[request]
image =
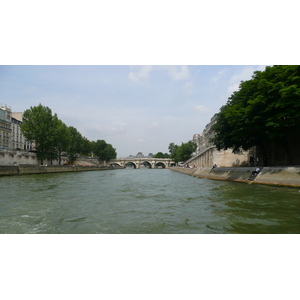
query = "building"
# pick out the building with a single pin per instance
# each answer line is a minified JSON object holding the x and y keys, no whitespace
{"x":140,"y":155}
{"x":207,"y":155}
{"x":14,"y":148}
{"x":5,"y":127}
{"x":18,"y":140}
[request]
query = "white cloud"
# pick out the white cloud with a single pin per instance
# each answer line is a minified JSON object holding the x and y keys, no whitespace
{"x":143,"y":73}
{"x":175,"y":72}
{"x":178,"y":73}
{"x":232,"y":88}
{"x":243,"y":75}
{"x":141,"y":140}
{"x":154,"y":125}
{"x":218,"y":76}
{"x":202,"y":109}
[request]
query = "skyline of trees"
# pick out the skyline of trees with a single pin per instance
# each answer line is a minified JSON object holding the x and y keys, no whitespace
{"x":53,"y":137}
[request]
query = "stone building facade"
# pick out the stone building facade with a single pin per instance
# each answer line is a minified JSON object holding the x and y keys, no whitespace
{"x":11,"y":137}
{"x":207,"y":155}
{"x":5,"y":127}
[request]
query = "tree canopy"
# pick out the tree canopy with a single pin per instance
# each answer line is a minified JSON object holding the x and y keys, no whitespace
{"x":182,"y":152}
{"x":54,"y":138}
{"x":104,"y":151}
{"x":161,"y":155}
{"x":265,"y":110}
{"x":39,"y":126}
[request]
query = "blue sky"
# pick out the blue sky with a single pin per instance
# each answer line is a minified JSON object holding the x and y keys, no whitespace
{"x":138,"y":76}
{"x":134,"y":108}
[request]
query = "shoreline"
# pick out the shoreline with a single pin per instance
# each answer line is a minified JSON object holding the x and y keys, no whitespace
{"x":35,"y":169}
{"x":277,"y":176}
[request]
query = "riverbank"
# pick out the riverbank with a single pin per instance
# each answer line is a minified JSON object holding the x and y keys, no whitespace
{"x":280,"y":176}
{"x":35,"y":169}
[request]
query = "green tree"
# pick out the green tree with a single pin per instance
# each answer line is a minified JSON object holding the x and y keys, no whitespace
{"x":103,"y":151}
{"x":86,"y":147}
{"x":184,"y":151}
{"x":63,"y":139}
{"x":75,"y":144}
{"x":38,"y":126}
{"x":161,"y":155}
{"x":172,"y":147}
{"x":264,"y":111}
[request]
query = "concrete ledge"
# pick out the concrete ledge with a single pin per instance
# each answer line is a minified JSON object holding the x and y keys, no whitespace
{"x":9,"y":170}
{"x":285,"y":176}
{"x":288,"y":176}
{"x":35,"y":169}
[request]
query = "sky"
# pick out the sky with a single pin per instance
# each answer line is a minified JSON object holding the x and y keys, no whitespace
{"x":134,"y":108}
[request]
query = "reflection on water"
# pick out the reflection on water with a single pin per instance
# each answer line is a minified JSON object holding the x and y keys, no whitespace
{"x":143,"y":201}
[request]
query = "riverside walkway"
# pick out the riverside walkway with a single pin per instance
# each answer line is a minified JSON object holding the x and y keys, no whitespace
{"x":281,"y":175}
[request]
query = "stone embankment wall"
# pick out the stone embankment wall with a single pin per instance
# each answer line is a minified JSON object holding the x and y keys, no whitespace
{"x":223,"y":158}
{"x":11,"y":157}
{"x":284,"y":176}
{"x":35,"y":169}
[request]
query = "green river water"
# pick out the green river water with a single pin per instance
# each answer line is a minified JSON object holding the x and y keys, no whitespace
{"x":143,"y":201}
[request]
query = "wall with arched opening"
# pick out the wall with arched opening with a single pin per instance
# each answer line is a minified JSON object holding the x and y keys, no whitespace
{"x":160,"y":165}
{"x":130,"y":164}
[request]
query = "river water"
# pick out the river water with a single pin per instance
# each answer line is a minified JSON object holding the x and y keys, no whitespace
{"x":132,"y":201}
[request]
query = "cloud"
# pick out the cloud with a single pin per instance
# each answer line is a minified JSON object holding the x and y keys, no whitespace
{"x":202,"y":109}
{"x":188,"y":87}
{"x":243,"y":75}
{"x":154,"y":125}
{"x":175,"y":72}
{"x":143,"y":73}
{"x":141,"y":140}
{"x":178,"y":73}
{"x":218,"y":76}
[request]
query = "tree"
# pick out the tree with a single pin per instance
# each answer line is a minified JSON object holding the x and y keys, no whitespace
{"x":38,"y":126}
{"x":172,"y":147}
{"x":63,"y":139}
{"x":86,"y":146}
{"x":264,"y":111}
{"x":161,"y":155}
{"x":103,"y":151}
{"x":183,"y":152}
{"x":75,"y":144}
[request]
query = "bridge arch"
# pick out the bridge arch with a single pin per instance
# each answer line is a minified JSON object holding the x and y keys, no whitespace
{"x":115,"y":165}
{"x":130,"y":163}
{"x":160,"y":164}
{"x":146,"y":163}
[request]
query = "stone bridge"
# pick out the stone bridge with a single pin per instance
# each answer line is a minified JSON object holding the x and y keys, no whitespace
{"x":147,"y":162}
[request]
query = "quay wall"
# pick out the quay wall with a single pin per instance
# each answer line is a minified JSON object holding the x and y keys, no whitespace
{"x":35,"y":169}
{"x":282,"y":176}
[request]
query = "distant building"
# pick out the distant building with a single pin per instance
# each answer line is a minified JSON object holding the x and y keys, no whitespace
{"x":140,"y":155}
